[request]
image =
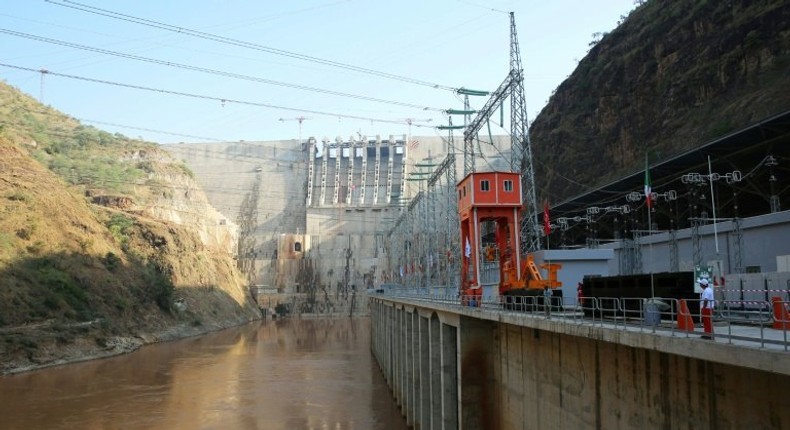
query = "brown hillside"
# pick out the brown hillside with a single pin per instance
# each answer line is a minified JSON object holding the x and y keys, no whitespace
{"x":105,"y":244}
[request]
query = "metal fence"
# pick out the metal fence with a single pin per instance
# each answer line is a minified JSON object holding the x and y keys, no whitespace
{"x":762,"y":326}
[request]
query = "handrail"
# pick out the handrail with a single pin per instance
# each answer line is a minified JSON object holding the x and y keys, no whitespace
{"x":633,"y":314}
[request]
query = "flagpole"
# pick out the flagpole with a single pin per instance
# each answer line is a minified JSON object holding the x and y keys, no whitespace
{"x":715,"y":227}
{"x":649,"y":201}
{"x":650,"y":233}
{"x":713,"y":204}
{"x":547,"y":229}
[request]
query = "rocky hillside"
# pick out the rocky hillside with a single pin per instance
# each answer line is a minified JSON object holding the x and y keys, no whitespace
{"x":673,"y":76}
{"x":106,"y":243}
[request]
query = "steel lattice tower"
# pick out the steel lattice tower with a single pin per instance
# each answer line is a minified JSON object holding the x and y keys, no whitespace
{"x":521,"y":155}
{"x":521,"y":151}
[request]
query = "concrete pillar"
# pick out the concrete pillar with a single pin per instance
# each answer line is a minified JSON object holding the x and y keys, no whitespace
{"x":511,"y":399}
{"x":415,"y":367}
{"x":396,"y":357}
{"x":404,"y":380}
{"x":436,"y":369}
{"x":404,"y":362}
{"x":449,"y":377}
{"x":423,"y":420}
{"x":476,"y":342}
{"x":411,"y":375}
{"x":390,"y":344}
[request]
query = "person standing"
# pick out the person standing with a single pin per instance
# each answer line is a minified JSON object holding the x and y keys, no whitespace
{"x":547,"y":300}
{"x":706,"y":308}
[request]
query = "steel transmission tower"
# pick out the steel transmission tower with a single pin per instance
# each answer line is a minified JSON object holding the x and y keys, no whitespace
{"x":521,"y":148}
{"x":521,"y":151}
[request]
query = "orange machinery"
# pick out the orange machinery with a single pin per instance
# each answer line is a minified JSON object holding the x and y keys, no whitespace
{"x":495,"y":197}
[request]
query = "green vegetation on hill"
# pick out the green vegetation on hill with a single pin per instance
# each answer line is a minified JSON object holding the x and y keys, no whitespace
{"x":82,"y":155}
{"x":83,"y":263}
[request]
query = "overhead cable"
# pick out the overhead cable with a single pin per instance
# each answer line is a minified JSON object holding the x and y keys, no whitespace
{"x":241,"y":43}
{"x":209,"y":71}
{"x":205,"y":97}
{"x":169,"y":133}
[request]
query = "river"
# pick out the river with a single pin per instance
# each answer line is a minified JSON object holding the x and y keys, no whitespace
{"x":285,"y":374}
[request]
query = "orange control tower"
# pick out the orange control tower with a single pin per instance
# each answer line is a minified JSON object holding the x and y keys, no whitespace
{"x":496,"y":197}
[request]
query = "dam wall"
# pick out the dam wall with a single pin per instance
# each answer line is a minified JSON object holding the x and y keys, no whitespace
{"x":316,"y":212}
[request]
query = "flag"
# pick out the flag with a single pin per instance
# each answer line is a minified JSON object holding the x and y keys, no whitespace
{"x":467,"y":248}
{"x":546,"y":218}
{"x":648,"y":187}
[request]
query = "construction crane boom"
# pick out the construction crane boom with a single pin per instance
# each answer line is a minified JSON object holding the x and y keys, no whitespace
{"x":301,"y":119}
{"x":298,"y":118}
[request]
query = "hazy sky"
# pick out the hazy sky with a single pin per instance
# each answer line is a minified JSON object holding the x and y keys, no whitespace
{"x":445,"y":43}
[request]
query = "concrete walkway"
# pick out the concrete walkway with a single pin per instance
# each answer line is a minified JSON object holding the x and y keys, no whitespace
{"x":736,"y":332}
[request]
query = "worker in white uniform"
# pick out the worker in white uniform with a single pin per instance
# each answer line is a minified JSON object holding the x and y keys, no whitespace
{"x":706,"y":305}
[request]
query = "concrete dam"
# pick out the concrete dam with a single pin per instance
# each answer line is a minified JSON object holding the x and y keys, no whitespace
{"x":317,"y":212}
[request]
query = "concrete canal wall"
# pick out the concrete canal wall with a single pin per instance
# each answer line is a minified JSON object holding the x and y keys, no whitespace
{"x":451,"y":367}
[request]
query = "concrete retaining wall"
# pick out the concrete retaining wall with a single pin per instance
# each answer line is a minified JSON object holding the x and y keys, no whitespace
{"x":450,"y":369}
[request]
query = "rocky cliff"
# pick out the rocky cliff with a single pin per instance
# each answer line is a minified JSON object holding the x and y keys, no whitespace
{"x":671,"y":77}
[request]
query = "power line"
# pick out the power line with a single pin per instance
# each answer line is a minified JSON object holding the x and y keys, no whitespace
{"x":206,"y":70}
{"x":241,"y":43}
{"x":169,"y":133}
{"x":205,"y":97}
{"x":23,"y":126}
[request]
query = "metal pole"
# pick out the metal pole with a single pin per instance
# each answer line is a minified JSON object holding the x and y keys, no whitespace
{"x":713,"y":203}
{"x":649,"y":233}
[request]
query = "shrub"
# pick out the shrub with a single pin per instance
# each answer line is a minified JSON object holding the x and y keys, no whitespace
{"x":186,"y":170}
{"x":119,"y":226}
{"x":23,"y":233}
{"x":62,"y":292}
{"x":111,"y":261}
{"x":162,"y":288}
{"x":19,"y":196}
{"x":35,"y":248}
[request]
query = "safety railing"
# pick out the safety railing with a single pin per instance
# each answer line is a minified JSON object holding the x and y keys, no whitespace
{"x":661,"y":316}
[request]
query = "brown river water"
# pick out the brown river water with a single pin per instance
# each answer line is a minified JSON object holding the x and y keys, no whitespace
{"x":284,"y":374}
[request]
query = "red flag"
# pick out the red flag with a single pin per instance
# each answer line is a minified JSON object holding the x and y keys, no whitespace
{"x":546,"y":218}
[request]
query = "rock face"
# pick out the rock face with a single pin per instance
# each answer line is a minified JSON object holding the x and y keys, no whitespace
{"x":671,"y":77}
{"x":105,"y":244}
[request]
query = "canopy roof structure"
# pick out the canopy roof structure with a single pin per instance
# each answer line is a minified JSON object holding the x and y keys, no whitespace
{"x":749,"y":170}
